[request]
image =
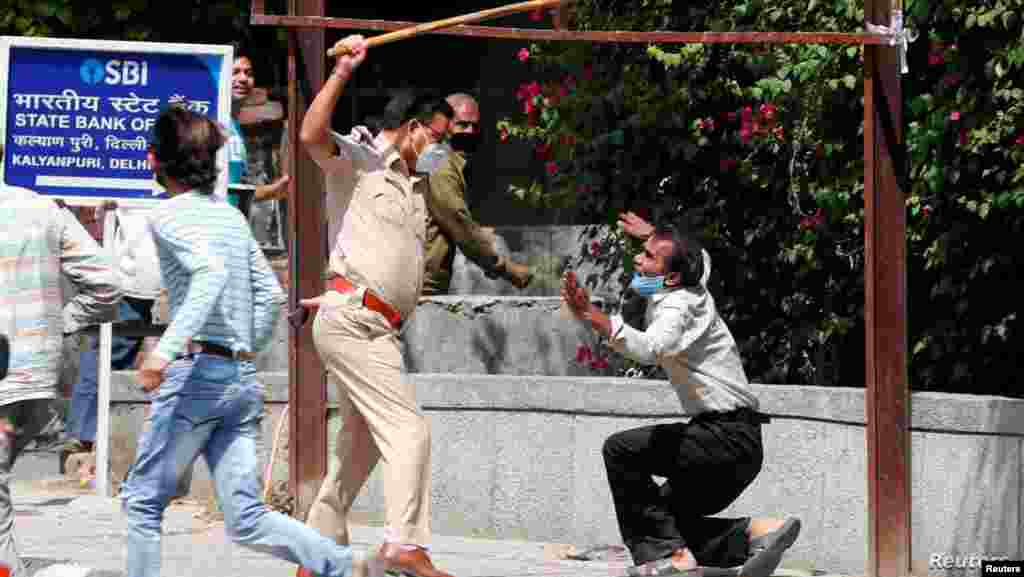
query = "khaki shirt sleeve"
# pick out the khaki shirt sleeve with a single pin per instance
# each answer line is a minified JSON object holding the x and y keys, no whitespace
{"x":447,"y":205}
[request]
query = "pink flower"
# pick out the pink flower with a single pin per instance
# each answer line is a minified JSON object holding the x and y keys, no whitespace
{"x":542,"y":151}
{"x":533,"y":89}
{"x":709,"y":123}
{"x":523,"y":55}
{"x":699,"y":125}
{"x":583,"y":353}
{"x":1019,"y":140}
{"x":563,"y":91}
{"x":599,"y":363}
{"x":813,"y":221}
{"x":551,"y":167}
{"x":768,"y":111}
{"x":746,"y":134}
{"x":730,"y":116}
{"x":925,"y":211}
{"x":746,"y":114}
{"x":779,"y":133}
{"x":954,"y":116}
{"x":528,"y":106}
{"x":936,"y":57}
{"x":537,"y":15}
{"x":503,"y":135}
{"x":952,"y":79}
{"x":595,"y":248}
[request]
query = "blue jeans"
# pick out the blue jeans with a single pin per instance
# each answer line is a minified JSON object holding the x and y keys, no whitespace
{"x":122,"y":356}
{"x":213,"y":405}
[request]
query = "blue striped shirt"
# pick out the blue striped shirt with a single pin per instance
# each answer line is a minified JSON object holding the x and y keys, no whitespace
{"x":220,"y":286}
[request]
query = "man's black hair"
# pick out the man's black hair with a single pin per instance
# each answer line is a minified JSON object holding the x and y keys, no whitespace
{"x":186,"y":144}
{"x":243,"y":48}
{"x":410,"y":104}
{"x":686,"y":257}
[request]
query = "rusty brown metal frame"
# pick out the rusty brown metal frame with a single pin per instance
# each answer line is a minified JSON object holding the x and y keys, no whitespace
{"x":887,"y":392}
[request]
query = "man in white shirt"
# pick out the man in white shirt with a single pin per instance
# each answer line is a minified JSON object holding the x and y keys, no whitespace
{"x":139,"y":273}
{"x":710,"y":459}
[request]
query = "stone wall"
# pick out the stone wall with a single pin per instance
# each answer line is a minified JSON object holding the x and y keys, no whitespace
{"x":519,"y":457}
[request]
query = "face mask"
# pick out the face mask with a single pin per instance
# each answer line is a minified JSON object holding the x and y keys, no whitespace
{"x":466,"y":142}
{"x":432,"y":157}
{"x":646,"y":286}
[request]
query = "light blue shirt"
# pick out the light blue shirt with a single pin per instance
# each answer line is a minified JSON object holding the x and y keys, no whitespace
{"x":238,"y":160}
{"x":220,"y":286}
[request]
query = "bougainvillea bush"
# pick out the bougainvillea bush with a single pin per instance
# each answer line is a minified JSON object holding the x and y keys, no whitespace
{"x":759,"y":148}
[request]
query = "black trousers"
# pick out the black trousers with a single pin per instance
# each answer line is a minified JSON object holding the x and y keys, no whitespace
{"x":708,"y":462}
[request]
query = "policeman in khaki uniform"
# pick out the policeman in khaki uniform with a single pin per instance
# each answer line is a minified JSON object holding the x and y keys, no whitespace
{"x":450,"y":223}
{"x":377,"y":225}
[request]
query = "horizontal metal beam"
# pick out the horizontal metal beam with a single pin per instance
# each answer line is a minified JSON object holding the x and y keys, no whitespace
{"x":611,"y":36}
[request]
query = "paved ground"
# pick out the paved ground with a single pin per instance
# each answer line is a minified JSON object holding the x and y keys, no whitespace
{"x":58,"y":523}
{"x":61,"y":525}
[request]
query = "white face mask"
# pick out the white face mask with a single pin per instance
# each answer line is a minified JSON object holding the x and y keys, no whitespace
{"x":432,"y":157}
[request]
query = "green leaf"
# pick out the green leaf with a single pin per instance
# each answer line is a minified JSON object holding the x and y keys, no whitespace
{"x":850,"y":81}
{"x":920,"y":346}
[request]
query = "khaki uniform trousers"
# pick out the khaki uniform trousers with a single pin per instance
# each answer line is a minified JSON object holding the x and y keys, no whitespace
{"x":380,"y":419}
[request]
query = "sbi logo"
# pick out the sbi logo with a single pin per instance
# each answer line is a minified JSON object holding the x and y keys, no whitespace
{"x":115,"y":72}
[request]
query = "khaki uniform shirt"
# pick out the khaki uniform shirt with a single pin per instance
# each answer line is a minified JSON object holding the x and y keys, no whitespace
{"x":450,"y":224}
{"x":376,"y":219}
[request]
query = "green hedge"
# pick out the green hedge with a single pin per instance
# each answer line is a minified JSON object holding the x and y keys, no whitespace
{"x":760,"y":147}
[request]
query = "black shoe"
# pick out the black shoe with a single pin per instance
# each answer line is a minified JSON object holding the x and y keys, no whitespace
{"x":765,"y":552}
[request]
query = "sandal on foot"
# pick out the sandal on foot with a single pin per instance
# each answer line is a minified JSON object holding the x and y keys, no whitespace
{"x":765,"y":552}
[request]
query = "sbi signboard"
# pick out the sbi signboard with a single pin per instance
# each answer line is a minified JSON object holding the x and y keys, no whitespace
{"x":115,"y":72}
{"x":76,"y":115}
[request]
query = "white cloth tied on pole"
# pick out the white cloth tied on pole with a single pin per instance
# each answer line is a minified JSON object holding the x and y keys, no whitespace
{"x":898,"y":36}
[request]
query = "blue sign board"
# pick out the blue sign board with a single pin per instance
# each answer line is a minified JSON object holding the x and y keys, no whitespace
{"x":77,"y":115}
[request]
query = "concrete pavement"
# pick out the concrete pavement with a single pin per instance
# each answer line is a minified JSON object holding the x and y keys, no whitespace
{"x":57,"y":522}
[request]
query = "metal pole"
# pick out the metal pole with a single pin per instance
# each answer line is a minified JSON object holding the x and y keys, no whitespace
{"x":307,"y":387}
{"x":885,"y":311}
{"x":104,"y":374}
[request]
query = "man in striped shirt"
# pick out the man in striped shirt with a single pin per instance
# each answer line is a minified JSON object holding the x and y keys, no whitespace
{"x":224,"y":302}
{"x":41,"y":244}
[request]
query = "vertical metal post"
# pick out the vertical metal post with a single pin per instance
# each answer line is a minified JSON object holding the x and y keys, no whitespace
{"x":106,"y":343}
{"x":307,"y":388}
{"x":885,"y":312}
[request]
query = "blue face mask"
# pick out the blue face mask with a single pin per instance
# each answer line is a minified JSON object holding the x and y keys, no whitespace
{"x":432,"y":157}
{"x":646,"y":286}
